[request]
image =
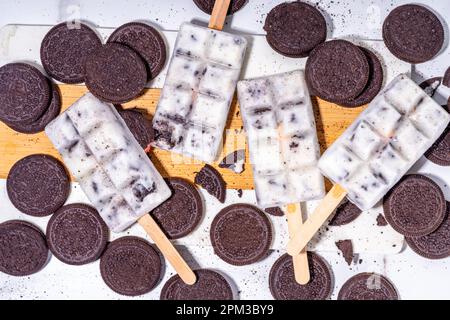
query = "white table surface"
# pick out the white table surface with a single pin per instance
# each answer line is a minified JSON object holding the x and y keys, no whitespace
{"x":414,"y":277}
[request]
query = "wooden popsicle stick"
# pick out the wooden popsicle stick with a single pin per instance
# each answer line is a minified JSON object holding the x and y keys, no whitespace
{"x":168,"y":250}
{"x":219,"y":14}
{"x":300,"y":261}
{"x":323,"y":211}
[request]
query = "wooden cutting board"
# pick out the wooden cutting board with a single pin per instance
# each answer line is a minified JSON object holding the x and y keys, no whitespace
{"x":331,"y":121}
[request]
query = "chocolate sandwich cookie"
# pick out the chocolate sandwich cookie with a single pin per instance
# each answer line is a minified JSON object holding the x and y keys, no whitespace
{"x":23,"y":250}
{"x":436,"y":245}
{"x":24,"y":93}
{"x":39,"y":125}
{"x":368,"y":286}
{"x":275,"y":211}
{"x":241,"y":234}
{"x":211,"y":180}
{"x":64,"y":51}
{"x":210,"y":285}
{"x":38,"y":185}
{"x":207,"y":6}
{"x":415,"y":206}
{"x":413,"y":33}
{"x":295,"y":28}
{"x":146,"y":41}
{"x":76,"y":234}
{"x":345,"y":213}
{"x":284,"y":287}
{"x":115,"y":73}
{"x":374,"y":83}
{"x":337,"y":71}
{"x":130,"y":266}
{"x":446,"y":79}
{"x":181,"y":213}
{"x":439,"y":152}
{"x":140,"y":127}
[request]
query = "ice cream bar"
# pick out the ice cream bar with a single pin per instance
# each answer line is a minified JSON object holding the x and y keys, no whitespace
{"x":112,"y":169}
{"x":399,"y":125}
{"x":281,"y":134}
{"x":199,"y":87}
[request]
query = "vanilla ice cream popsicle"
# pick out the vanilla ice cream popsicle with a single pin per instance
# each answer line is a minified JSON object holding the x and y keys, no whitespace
{"x":199,"y":87}
{"x":371,"y":156}
{"x":282,"y":138}
{"x":102,"y":154}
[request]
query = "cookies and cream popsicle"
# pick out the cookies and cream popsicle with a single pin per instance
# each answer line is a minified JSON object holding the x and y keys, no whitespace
{"x":112,"y":169}
{"x":282,"y":138}
{"x":396,"y":129}
{"x":199,"y":87}
{"x":284,"y":149}
{"x":371,"y":156}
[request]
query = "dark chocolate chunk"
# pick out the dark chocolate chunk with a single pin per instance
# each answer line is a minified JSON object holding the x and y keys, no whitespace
{"x":436,"y":245}
{"x":115,"y":73}
{"x":283,"y":285}
{"x":76,"y":234}
{"x":145,"y":40}
{"x":38,"y":185}
{"x":346,"y":247}
{"x":23,"y":250}
{"x":182,"y":212}
{"x":415,"y":206}
{"x":337,"y":71}
{"x":211,"y":180}
{"x":368,"y":286}
{"x":24,"y":93}
{"x":241,"y":234}
{"x":210,"y":285}
{"x":64,"y":51}
{"x":413,"y":33}
{"x":295,"y":28}
{"x":130,"y":266}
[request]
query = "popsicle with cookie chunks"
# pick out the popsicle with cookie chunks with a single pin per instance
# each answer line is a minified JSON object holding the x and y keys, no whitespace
{"x":113,"y":171}
{"x":371,"y":156}
{"x":191,"y":114}
{"x":284,"y":149}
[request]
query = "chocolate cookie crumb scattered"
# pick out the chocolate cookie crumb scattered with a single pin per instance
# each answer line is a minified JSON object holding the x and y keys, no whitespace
{"x":212,"y":181}
{"x":381,"y":221}
{"x":275,"y":211}
{"x":346,"y":247}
